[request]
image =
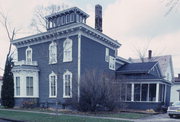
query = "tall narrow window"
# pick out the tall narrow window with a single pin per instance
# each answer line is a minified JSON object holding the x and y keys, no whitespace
{"x":29,"y":54}
{"x":67,"y":56}
{"x":29,"y":86}
{"x":107,"y":55}
{"x":17,"y":86}
{"x":53,"y":53}
{"x":68,"y":18}
{"x":137,"y":92}
{"x":67,"y":84}
{"x":128,"y":92}
{"x":71,"y":17}
{"x":144,"y":92}
{"x":63,"y":19}
{"x":152,"y":92}
{"x":52,"y":85}
{"x":112,"y":63}
{"x":77,"y":17}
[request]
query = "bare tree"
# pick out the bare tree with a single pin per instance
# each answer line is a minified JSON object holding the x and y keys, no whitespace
{"x":11,"y":32}
{"x":96,"y":92}
{"x":39,"y":21}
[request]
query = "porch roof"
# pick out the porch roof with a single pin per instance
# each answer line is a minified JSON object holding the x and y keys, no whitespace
{"x":136,"y":68}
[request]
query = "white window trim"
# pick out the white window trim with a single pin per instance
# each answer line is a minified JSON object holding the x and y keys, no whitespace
{"x":67,"y":73}
{"x":107,"y":55}
{"x":65,"y":58}
{"x":50,"y":58}
{"x":52,"y":74}
{"x":29,"y":49}
{"x":112,"y":61}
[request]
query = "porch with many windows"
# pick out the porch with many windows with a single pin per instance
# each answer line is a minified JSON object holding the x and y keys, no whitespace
{"x":143,"y":92}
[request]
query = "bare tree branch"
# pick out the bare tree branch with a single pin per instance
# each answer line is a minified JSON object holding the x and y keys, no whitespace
{"x":10,"y":32}
{"x":39,"y":21}
{"x":171,"y":5}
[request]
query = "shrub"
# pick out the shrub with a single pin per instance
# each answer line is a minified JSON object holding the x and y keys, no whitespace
{"x":96,"y":92}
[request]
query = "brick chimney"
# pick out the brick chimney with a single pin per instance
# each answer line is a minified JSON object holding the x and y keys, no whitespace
{"x":98,"y":17}
{"x":149,"y":54}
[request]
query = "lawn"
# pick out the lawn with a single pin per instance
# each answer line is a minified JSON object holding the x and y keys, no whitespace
{"x":34,"y":117}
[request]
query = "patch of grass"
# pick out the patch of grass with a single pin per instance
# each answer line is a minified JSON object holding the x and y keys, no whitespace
{"x":34,"y":117}
{"x":127,"y":115}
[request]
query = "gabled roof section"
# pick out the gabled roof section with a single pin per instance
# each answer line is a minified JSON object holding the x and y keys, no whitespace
{"x":163,"y":61}
{"x":73,"y":9}
{"x":134,"y":68}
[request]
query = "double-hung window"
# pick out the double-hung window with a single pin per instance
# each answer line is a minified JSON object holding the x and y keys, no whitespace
{"x":29,"y":54}
{"x":67,"y":50}
{"x":112,"y":63}
{"x":67,"y":84}
{"x":29,"y":86}
{"x":53,"y":53}
{"x":17,"y":86}
{"x":52,"y":85}
{"x":107,"y":55}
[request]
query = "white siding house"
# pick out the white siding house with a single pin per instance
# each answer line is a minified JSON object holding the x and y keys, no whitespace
{"x":175,"y":90}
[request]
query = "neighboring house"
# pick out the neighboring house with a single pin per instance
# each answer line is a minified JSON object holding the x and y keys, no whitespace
{"x":1,"y":82}
{"x":50,"y":63}
{"x":175,"y":89}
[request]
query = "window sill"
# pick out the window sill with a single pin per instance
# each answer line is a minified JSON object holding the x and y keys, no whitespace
{"x":26,"y":96}
{"x":52,"y":62}
{"x":67,"y":60}
{"x":52,"y":96}
{"x":67,"y":96}
{"x":112,"y":69}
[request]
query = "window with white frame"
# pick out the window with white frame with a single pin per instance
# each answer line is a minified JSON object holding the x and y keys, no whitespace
{"x":107,"y":55}
{"x":67,"y":84}
{"x":53,"y":53}
{"x":17,"y":88}
{"x":29,"y":54}
{"x":52,"y":85}
{"x":67,"y":50}
{"x":29,"y":86}
{"x":112,"y":63}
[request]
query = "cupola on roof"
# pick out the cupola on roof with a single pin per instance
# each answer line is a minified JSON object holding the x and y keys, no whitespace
{"x":68,"y":16}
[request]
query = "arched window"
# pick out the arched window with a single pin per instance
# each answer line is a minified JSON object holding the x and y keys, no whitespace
{"x":52,"y":85}
{"x":67,"y":50}
{"x":29,"y":54}
{"x":53,"y":53}
{"x":67,"y":84}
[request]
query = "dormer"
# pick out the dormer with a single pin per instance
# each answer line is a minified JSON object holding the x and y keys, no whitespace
{"x":65,"y":17}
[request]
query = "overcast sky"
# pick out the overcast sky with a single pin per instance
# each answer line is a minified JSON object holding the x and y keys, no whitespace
{"x":136,"y":24}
